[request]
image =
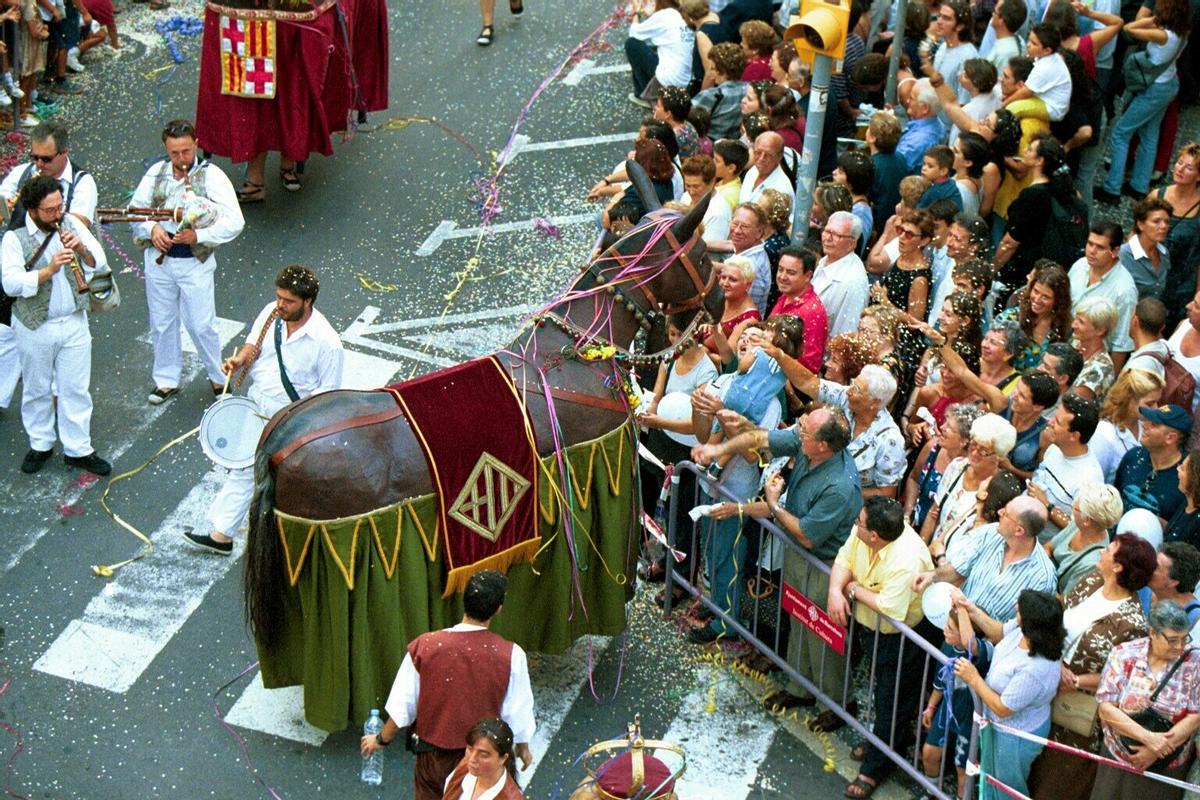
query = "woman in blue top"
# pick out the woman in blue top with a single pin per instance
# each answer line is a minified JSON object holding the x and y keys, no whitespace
{"x":1020,"y":685}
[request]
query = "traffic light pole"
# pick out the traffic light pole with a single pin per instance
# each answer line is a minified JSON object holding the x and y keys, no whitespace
{"x":889,"y":89}
{"x":814,"y":130}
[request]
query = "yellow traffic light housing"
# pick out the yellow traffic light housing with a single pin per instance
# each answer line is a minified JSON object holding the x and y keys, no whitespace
{"x":822,"y":26}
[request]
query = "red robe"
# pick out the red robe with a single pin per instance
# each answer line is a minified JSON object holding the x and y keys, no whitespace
{"x":314,"y":95}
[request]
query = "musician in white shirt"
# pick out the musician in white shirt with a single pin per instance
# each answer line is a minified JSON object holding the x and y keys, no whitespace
{"x":178,"y":256}
{"x":312,"y":358}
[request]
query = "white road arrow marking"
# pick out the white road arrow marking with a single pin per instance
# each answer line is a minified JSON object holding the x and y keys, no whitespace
{"x":588,"y":67}
{"x":447,"y":229}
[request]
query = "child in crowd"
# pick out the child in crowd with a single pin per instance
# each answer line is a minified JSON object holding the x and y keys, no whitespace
{"x":936,"y":166}
{"x":33,"y":37}
{"x":730,"y":157}
{"x":948,"y":720}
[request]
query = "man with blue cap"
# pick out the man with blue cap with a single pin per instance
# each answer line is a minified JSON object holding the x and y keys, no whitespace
{"x":1148,"y":476}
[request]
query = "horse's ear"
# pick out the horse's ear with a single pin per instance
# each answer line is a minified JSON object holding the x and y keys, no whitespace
{"x":684,"y":227}
{"x":641,"y":182}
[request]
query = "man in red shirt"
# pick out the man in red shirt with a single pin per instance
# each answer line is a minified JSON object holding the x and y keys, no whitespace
{"x":799,"y":299}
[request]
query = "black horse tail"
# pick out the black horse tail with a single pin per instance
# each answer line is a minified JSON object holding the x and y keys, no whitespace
{"x":264,"y":580}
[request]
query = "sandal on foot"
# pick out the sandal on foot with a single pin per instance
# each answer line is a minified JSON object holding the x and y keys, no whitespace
{"x":485,"y":36}
{"x":517,"y":8}
{"x":290,"y":180}
{"x":251,"y":192}
{"x":860,"y":789}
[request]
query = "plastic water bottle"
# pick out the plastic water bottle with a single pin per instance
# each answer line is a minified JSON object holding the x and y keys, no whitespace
{"x":372,"y":766}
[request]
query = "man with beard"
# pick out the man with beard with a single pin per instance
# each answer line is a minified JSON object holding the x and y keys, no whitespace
{"x":179,"y":256}
{"x":292,"y":352}
{"x":50,"y":323}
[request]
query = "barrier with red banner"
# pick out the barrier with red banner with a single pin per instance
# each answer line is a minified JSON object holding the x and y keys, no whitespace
{"x":814,"y":618}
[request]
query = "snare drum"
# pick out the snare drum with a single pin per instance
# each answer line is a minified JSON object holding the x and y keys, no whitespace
{"x":230,"y":430}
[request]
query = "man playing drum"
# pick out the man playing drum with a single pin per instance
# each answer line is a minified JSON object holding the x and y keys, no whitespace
{"x":292,"y":352}
{"x":179,"y":257}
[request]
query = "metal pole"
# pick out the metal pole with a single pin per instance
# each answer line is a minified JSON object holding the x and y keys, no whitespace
{"x":814,"y":129}
{"x":889,"y":89}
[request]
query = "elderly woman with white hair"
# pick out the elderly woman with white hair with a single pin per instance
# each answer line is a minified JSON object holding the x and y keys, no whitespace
{"x":735,"y":278}
{"x":1095,"y":317}
{"x":1076,"y":548}
{"x":876,"y":443}
{"x":950,"y":521}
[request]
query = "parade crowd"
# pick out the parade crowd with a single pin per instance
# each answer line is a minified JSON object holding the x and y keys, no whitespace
{"x":975,"y":375}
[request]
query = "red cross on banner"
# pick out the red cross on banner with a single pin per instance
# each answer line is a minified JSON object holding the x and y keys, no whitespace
{"x":247,"y":57}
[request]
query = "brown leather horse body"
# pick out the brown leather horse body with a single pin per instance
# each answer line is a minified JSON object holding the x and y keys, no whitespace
{"x":344,"y":453}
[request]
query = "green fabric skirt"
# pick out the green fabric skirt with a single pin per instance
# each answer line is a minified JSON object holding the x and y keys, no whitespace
{"x":363,"y":587}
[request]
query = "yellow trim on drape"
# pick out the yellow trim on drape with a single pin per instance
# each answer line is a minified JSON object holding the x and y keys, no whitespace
{"x":456,"y":578}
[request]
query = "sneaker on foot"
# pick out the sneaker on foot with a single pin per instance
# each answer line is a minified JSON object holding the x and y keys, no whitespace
{"x":206,"y":542}
{"x":637,"y":101}
{"x":12,"y":89}
{"x":91,"y":463}
{"x":5,"y":100}
{"x":64,"y":86}
{"x":162,"y":395}
{"x":29,"y":120}
{"x":35,"y":460}
{"x":73,"y":63}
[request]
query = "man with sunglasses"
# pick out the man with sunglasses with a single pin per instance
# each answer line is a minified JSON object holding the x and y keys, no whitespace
{"x":47,"y":156}
{"x":179,"y":258}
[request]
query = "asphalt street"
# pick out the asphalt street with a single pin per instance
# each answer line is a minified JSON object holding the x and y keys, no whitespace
{"x":112,"y":682}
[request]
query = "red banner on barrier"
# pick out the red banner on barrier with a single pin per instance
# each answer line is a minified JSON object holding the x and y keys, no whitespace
{"x":814,"y":618}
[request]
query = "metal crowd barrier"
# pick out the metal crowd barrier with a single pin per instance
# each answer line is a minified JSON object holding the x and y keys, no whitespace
{"x":768,"y":532}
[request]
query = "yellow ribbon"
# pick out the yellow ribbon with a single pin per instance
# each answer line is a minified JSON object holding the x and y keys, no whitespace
{"x":108,"y":570}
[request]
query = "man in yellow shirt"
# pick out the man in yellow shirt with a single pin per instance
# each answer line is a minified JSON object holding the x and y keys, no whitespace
{"x":872,"y":579}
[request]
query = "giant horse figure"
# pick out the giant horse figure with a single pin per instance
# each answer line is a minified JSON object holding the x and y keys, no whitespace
{"x":327,"y":463}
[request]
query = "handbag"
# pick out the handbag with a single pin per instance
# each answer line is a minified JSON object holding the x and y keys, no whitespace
{"x":1075,"y":711}
{"x":1139,"y":72}
{"x":759,"y":610}
{"x":1155,"y":722}
{"x":103,"y":292}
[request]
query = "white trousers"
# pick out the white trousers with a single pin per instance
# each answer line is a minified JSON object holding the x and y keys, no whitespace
{"x":56,"y":359}
{"x":228,"y":511}
{"x":10,"y":365}
{"x":182,"y":287}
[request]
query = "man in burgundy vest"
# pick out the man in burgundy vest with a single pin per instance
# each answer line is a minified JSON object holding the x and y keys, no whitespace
{"x":449,"y":680}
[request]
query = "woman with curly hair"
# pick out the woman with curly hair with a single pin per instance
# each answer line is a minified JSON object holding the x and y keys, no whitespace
{"x":1117,"y":432}
{"x":1044,"y":312}
{"x":758,"y":40}
{"x":778,"y":208}
{"x":848,"y":353}
{"x":960,"y":321}
{"x":884,"y":323}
